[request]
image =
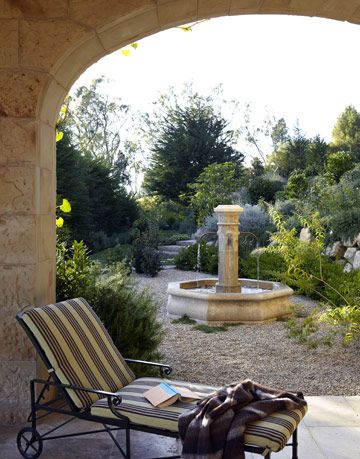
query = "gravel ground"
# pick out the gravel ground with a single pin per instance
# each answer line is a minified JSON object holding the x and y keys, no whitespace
{"x":262,"y":353}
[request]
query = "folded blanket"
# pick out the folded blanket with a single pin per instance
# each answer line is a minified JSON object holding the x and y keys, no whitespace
{"x":215,"y":428}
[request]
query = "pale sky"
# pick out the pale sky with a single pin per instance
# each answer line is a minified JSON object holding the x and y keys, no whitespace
{"x":296,"y":67}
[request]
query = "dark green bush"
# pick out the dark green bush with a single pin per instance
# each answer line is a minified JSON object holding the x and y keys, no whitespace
{"x":120,"y":252}
{"x":186,"y":259}
{"x":145,"y":246}
{"x":171,"y":237}
{"x":128,"y":314}
{"x":271,"y":267}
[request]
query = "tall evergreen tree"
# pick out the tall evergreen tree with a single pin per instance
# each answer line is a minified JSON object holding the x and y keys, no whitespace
{"x":188,"y":139}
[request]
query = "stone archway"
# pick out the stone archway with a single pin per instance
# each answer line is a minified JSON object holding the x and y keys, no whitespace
{"x":44,"y":47}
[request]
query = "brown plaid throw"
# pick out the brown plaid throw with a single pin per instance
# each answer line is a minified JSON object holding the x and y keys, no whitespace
{"x":215,"y":428}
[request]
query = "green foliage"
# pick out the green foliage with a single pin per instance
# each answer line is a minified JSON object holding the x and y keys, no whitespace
{"x":184,"y":320}
{"x":101,"y":206}
{"x":213,"y":186}
{"x":210,"y":328}
{"x":73,"y":270}
{"x":271,"y":266}
{"x":145,"y":246}
{"x":337,"y":164}
{"x":186,"y":259}
{"x":346,"y":133}
{"x":111,"y":255}
{"x":128,"y":314}
{"x":186,"y":138}
{"x":261,"y":188}
{"x":171,"y":237}
{"x":296,"y":185}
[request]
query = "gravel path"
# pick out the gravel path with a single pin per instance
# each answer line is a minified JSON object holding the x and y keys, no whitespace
{"x":263,"y":353}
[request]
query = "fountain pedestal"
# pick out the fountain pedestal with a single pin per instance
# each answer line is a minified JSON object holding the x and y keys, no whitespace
{"x":228,"y":234}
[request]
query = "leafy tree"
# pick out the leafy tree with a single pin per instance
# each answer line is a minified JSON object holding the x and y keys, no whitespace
{"x":346,"y":133}
{"x":263,"y":188}
{"x":214,"y":186}
{"x":337,"y":164}
{"x":96,"y":121}
{"x":297,"y":185}
{"x":316,"y":154}
{"x":257,"y":168}
{"x":279,"y":133}
{"x":186,"y":139}
{"x":290,"y":155}
{"x":100,"y":205}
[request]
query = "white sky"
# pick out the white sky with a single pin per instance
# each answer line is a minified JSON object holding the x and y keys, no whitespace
{"x":299,"y":68}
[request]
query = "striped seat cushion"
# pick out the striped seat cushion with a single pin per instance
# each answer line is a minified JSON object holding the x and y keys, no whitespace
{"x":78,"y":348}
{"x":271,"y":433}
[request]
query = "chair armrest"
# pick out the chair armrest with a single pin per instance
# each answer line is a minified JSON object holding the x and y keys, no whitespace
{"x":165,"y":370}
{"x":113,"y":398}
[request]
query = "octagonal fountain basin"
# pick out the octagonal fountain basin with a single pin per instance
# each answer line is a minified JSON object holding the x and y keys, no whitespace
{"x":258,"y":302}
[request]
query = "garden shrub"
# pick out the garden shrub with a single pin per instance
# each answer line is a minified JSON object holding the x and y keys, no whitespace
{"x":186,"y":259}
{"x":271,"y":267}
{"x":171,"y":237}
{"x":145,"y":246}
{"x":128,"y":314}
{"x":120,"y":252}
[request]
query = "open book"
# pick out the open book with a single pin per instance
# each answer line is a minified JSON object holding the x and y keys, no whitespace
{"x":165,"y":394}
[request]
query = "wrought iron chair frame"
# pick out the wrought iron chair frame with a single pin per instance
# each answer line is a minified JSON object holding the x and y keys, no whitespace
{"x":120,"y":422}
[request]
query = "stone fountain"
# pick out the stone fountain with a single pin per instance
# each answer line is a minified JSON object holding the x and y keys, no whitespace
{"x":228,"y":298}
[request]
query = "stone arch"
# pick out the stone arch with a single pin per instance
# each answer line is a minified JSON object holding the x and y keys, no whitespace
{"x":44,"y":47}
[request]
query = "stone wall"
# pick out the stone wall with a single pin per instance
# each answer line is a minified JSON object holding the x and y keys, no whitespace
{"x":346,"y":253}
{"x":44,"y":46}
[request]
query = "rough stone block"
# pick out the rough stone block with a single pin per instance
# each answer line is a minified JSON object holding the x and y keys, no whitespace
{"x":53,"y":98}
{"x":212,"y":8}
{"x":17,"y":239}
{"x":356,"y":262}
{"x":46,"y":237}
{"x":9,"y":34}
{"x":47,"y":192}
{"x":176,"y":11}
{"x":14,"y":342}
{"x":47,"y":152}
{"x":305,"y":235}
{"x":84,"y":55}
{"x":42,"y":43}
{"x":17,"y":189}
{"x":22,"y":100}
{"x":142,"y":24}
{"x":337,"y":250}
{"x":17,"y":141}
{"x":45,"y":282}
{"x":33,"y":8}
{"x":16,"y":287}
{"x":96,"y":13}
{"x":350,"y":254}
{"x":15,"y":379}
{"x":245,"y":6}
{"x":348,"y":268}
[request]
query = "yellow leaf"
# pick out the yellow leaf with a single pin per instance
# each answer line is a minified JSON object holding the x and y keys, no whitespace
{"x":65,"y":206}
{"x":60,"y":222}
{"x":134,"y":45}
{"x":63,"y":109}
{"x":125,"y":52}
{"x":186,"y":29}
{"x":59,"y":135}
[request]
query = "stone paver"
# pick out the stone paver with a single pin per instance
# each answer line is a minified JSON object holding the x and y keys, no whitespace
{"x":330,"y":430}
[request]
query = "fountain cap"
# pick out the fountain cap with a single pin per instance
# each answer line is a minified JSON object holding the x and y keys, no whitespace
{"x":228,"y":209}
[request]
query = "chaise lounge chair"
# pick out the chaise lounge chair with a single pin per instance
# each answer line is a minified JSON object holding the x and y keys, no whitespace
{"x":96,"y":384}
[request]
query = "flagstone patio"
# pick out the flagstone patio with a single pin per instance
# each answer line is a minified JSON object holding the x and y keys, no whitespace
{"x":330,"y":430}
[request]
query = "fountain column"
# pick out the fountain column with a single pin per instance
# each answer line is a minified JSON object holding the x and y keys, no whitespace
{"x":228,"y":234}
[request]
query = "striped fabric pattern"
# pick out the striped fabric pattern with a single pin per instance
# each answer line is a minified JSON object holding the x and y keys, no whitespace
{"x":271,"y":433}
{"x":79,"y":348}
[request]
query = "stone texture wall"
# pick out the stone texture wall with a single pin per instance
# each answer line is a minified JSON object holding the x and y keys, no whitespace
{"x":44,"y":46}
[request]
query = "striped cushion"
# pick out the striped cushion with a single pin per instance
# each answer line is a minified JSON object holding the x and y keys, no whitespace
{"x":78,"y":348}
{"x":271,"y":433}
